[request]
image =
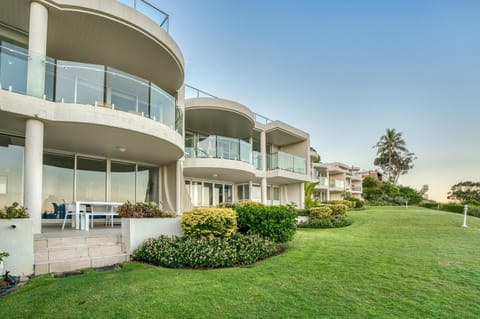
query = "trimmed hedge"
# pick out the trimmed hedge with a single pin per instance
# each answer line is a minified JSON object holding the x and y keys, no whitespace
{"x":192,"y":252}
{"x":347,"y":203}
{"x":209,"y":222}
{"x":337,"y":210}
{"x":275,"y":223}
{"x":328,"y":222}
{"x":320,"y":212}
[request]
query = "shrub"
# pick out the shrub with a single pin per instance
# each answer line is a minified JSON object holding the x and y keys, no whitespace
{"x":210,"y":222}
{"x":180,"y":252}
{"x":226,"y":205}
{"x":429,"y":204}
{"x":459,"y":208}
{"x":276,"y":223}
{"x":14,"y":211}
{"x":455,"y":208}
{"x":358,"y":203}
{"x":302,"y":212}
{"x":3,"y":255}
{"x":249,"y":203}
{"x":142,"y":210}
{"x":337,"y":210}
{"x":320,"y":212}
{"x":347,"y":203}
{"x":329,"y":222}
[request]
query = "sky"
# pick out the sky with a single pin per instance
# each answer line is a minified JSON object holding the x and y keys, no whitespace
{"x":346,"y":70}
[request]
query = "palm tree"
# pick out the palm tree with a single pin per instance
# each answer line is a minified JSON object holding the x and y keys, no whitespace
{"x":390,"y":148}
{"x":309,"y":189}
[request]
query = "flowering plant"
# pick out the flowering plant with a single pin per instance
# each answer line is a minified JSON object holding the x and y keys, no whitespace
{"x":142,"y":210}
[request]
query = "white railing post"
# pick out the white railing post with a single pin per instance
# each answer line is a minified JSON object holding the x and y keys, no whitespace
{"x":465,"y":210}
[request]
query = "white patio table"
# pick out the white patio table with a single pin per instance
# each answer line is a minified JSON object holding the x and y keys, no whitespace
{"x":111,"y":210}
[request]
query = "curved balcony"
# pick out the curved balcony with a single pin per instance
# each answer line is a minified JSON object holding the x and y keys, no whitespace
{"x":218,"y":117}
{"x":92,"y":109}
{"x":105,"y":32}
{"x":218,"y":157}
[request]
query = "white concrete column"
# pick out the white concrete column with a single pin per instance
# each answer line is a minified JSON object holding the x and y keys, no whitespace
{"x":264,"y":191}
{"x":37,"y":47}
{"x":250,"y":190}
{"x":302,"y":196}
{"x":263,"y":150}
{"x":178,"y":185}
{"x":33,"y":178}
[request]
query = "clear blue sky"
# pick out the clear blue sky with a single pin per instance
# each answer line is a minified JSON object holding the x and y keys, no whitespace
{"x":344,"y":71}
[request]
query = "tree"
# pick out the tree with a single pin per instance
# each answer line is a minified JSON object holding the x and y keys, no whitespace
{"x":466,"y":192}
{"x":393,"y":157}
{"x":309,"y":189}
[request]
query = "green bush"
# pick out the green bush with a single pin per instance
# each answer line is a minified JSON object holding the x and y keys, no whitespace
{"x":191,"y":252}
{"x":337,"y":210}
{"x":249,"y":203}
{"x":209,"y":222}
{"x":302,"y":212}
{"x":452,"y":207}
{"x":13,"y":211}
{"x":142,"y":210}
{"x":459,"y":209}
{"x":347,"y":203}
{"x":358,"y":203}
{"x":329,"y":222}
{"x":276,"y":223}
{"x":320,"y":212}
{"x":429,"y":204}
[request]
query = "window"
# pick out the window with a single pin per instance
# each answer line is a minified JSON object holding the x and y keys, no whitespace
{"x":91,"y":179}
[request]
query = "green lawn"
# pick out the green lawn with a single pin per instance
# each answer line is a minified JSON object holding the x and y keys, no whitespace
{"x":391,"y":263}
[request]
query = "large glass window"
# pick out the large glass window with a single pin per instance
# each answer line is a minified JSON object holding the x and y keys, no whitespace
{"x":207,"y":194}
{"x":79,"y":83}
{"x":228,"y":194}
{"x":148,"y":184}
{"x":11,"y":169}
{"x":218,"y":194}
{"x":58,"y":171}
{"x":91,"y":178}
{"x":122,"y":182}
{"x":13,"y":68}
{"x":127,"y":92}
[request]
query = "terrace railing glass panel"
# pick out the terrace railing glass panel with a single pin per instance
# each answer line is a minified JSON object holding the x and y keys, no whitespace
{"x":217,"y":147}
{"x":257,"y":160}
{"x":148,"y":9}
{"x":287,"y":162}
{"x":91,"y":84}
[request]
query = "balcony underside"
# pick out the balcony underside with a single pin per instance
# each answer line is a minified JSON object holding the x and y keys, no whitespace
{"x":215,"y":116}
{"x":218,"y":169}
{"x":92,"y":130}
{"x":106,"y":33}
{"x":280,"y":177}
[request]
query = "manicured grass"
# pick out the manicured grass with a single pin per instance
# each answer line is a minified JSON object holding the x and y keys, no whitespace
{"x":391,"y":263}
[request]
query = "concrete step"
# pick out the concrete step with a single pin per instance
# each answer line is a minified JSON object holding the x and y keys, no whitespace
{"x":79,"y":263}
{"x":60,"y":254}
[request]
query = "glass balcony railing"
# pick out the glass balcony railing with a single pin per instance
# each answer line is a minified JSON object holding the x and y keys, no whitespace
{"x":192,"y":92}
{"x":218,"y":147}
{"x":356,"y":188}
{"x":257,"y":160}
{"x":82,"y":83}
{"x":323,"y":181}
{"x":336,"y":183}
{"x":150,"y":10}
{"x":287,"y":162}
